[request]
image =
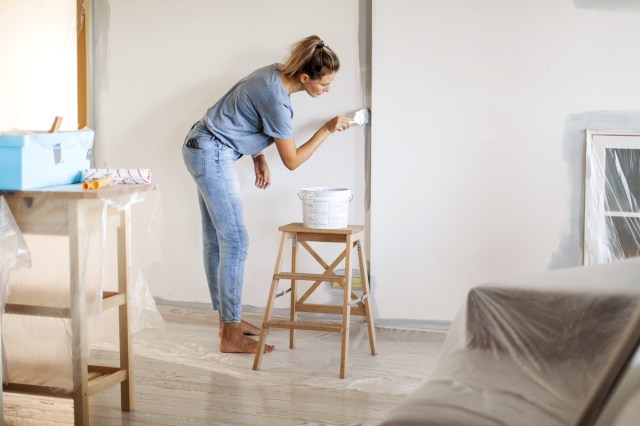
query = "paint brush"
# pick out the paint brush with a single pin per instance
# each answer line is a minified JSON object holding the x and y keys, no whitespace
{"x":361,"y":117}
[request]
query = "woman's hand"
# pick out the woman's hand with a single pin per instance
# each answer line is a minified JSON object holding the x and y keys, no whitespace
{"x":263,"y":175}
{"x":292,"y":156}
{"x":338,"y":123}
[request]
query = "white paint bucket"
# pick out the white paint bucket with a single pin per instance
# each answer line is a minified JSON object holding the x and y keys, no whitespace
{"x":326,"y":208}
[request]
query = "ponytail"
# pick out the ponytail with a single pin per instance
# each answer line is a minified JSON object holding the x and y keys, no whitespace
{"x":312,"y":57}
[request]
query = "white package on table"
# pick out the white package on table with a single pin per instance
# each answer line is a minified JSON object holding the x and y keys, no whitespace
{"x":120,"y":176}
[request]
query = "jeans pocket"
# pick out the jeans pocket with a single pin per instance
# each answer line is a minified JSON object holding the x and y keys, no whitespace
{"x":194,"y":159}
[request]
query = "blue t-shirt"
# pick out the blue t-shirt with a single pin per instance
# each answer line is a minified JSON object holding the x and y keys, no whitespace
{"x":253,"y":112}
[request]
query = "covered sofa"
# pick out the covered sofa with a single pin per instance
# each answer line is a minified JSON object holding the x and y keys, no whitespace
{"x":549,"y":349}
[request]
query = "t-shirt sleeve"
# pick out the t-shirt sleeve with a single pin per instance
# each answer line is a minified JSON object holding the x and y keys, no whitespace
{"x":276,"y":115}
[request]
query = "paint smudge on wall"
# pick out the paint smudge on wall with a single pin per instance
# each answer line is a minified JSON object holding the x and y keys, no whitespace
{"x":569,"y":252}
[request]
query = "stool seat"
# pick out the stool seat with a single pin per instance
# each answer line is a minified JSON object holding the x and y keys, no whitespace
{"x":299,"y":227}
{"x":352,"y":237}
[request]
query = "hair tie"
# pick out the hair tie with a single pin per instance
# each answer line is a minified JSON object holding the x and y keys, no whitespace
{"x":320,"y":46}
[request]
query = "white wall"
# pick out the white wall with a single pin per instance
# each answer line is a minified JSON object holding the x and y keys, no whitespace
{"x":38,"y":64}
{"x":479,"y":110}
{"x":160,"y":64}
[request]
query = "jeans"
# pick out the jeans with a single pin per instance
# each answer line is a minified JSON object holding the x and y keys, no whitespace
{"x":224,"y":235}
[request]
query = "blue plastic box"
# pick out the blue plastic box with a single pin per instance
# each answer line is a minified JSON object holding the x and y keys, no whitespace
{"x":37,"y":160}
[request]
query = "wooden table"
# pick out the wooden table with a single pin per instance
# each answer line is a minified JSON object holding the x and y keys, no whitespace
{"x":68,"y":208}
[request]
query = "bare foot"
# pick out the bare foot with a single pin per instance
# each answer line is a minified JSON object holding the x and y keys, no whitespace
{"x":248,"y":329}
{"x":245,"y":346}
{"x":234,"y":341}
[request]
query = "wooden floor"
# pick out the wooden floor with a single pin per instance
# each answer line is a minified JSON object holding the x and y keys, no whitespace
{"x":181,"y":379}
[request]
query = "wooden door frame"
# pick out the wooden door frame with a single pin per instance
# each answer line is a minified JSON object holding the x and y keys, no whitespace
{"x":84,"y":17}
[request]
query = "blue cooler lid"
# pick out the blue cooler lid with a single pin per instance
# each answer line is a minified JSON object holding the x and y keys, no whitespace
{"x":12,"y":140}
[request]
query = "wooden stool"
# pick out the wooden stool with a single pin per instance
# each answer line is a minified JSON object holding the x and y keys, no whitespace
{"x":351,"y":236}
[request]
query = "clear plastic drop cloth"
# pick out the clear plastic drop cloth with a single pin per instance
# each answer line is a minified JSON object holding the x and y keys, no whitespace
{"x":612,"y":197}
{"x":191,"y":339}
{"x":530,"y":350}
{"x":14,"y":254}
{"x":81,"y":237}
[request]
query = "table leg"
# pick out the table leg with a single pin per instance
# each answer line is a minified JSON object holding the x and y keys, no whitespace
{"x":127,"y":397}
{"x":80,"y":346}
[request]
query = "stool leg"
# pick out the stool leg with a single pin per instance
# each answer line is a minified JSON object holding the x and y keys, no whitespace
{"x":294,"y":295}
{"x":364,"y":279}
{"x":346,"y":310}
{"x":267,"y":312}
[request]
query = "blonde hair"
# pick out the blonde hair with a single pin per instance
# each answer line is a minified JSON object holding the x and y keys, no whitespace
{"x":312,"y":57}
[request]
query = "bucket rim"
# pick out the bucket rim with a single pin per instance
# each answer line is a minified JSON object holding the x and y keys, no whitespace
{"x":324,"y":188}
{"x":325,"y":192}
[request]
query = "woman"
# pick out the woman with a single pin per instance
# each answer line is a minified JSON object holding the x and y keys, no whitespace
{"x":252,"y":115}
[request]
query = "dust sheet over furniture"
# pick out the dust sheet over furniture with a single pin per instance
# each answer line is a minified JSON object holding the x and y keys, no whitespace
{"x":544,"y":349}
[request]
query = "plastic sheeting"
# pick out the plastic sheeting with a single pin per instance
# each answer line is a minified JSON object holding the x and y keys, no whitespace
{"x":74,"y":229}
{"x":119,"y":176}
{"x":623,"y":408}
{"x":530,"y":351}
{"x":14,"y":253}
{"x":612,"y":196}
{"x":191,"y":339}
